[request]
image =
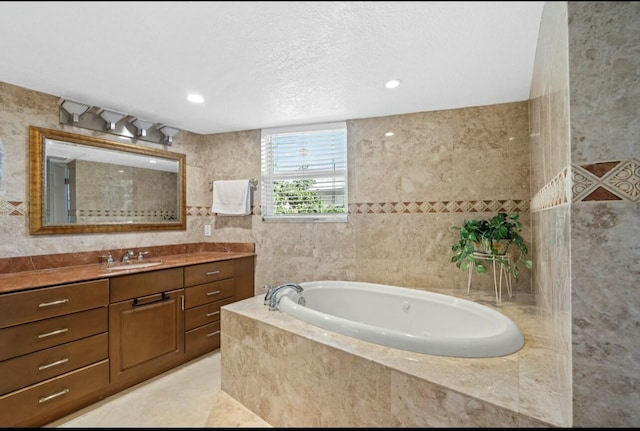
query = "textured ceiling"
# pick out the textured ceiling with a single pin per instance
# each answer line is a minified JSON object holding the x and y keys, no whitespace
{"x":268,"y":64}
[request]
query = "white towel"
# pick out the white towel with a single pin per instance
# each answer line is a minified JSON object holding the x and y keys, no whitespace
{"x":231,"y":197}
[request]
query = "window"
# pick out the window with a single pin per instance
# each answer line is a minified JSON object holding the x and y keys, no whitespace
{"x":304,"y":173}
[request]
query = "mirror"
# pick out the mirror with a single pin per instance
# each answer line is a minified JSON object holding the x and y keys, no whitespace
{"x":84,"y":184}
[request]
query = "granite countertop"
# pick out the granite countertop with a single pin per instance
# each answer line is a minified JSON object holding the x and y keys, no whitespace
{"x":16,"y":281}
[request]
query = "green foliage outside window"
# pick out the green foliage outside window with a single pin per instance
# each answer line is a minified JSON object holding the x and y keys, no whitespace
{"x":297,"y":197}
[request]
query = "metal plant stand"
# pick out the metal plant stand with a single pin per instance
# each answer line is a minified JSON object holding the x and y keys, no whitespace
{"x":503,"y":269}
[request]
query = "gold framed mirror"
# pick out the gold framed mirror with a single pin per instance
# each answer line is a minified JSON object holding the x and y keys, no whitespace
{"x":85,"y":184}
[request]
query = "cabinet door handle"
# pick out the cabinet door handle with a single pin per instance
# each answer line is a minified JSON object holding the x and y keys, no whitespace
{"x":182,"y":302}
{"x":213,"y":333}
{"x":213,"y":314}
{"x":53,"y":364}
{"x":57,"y":302}
{"x":56,"y":332}
{"x":136,"y":302}
{"x":212,"y":272}
{"x":213,"y":293}
{"x":52,"y":396}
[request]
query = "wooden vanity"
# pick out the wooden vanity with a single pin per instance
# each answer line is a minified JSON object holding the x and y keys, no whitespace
{"x":73,"y":335}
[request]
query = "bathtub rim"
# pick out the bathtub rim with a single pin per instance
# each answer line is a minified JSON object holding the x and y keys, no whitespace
{"x":506,"y":343}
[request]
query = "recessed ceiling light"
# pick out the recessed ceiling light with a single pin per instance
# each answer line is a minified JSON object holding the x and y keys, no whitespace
{"x":195,"y":98}
{"x":389,"y":134}
{"x":394,"y":83}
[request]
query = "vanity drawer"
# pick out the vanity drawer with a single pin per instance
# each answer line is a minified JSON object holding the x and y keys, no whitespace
{"x":203,"y":339}
{"x":145,"y":283}
{"x":204,"y":314}
{"x":31,"y":337}
{"x":21,"y":406}
{"x":207,"y":272}
{"x":45,"y":364}
{"x":210,"y":292}
{"x":32,"y":305}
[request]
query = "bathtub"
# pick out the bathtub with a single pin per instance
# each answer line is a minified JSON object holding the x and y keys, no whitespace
{"x":407,"y":319}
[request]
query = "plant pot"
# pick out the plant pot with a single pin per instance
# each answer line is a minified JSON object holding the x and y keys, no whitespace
{"x":499,"y":248}
{"x":477,"y":247}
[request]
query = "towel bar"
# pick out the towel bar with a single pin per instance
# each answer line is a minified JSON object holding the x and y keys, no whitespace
{"x":253,"y":181}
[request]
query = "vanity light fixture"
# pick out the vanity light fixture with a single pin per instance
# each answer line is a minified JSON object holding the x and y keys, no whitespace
{"x":74,"y":108}
{"x":127,"y":127}
{"x":394,"y":83}
{"x":111,"y":117}
{"x":169,"y":132}
{"x":195,"y":98}
{"x":142,"y":126}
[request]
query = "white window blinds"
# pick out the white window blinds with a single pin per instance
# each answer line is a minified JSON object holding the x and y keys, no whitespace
{"x":304,"y":173}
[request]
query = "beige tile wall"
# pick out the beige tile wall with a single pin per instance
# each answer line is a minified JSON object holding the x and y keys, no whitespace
{"x":604,"y":66}
{"x":585,"y":185}
{"x":550,"y":205}
{"x":405,"y":192}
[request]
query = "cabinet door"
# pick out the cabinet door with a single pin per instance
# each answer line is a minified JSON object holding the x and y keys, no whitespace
{"x":146,"y":336}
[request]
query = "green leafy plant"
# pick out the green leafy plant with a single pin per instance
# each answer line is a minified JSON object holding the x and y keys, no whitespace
{"x":298,"y":197}
{"x":491,"y":236}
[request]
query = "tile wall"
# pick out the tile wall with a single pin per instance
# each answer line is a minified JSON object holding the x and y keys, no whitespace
{"x":406,"y":192}
{"x":584,"y":123}
{"x":604,"y":71}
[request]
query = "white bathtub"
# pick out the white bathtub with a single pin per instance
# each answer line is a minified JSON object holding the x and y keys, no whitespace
{"x":407,"y":319}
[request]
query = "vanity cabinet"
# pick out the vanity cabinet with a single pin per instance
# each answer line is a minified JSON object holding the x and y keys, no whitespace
{"x":208,"y":287}
{"x":53,"y":350}
{"x":65,"y":346}
{"x":146,"y":325}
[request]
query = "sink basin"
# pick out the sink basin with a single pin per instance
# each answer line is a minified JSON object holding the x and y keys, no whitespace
{"x":133,"y":265}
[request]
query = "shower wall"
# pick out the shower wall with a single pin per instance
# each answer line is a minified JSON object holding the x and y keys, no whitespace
{"x":585,"y":178}
{"x":604,"y":71}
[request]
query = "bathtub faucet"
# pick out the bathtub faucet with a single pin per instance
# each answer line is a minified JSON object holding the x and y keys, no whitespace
{"x":271,"y":296}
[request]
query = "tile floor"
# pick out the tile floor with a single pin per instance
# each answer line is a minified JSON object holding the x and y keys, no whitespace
{"x":187,"y":396}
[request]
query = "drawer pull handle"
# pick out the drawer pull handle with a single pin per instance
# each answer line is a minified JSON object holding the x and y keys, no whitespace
{"x":213,"y":293}
{"x":53,"y":364}
{"x":213,"y":333}
{"x":136,"y":301}
{"x":48,"y":304}
{"x":213,"y":314}
{"x":212,"y":272}
{"x":56,"y":332}
{"x":52,"y":396}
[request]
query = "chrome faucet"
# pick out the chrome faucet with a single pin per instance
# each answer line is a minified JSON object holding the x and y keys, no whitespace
{"x":126,"y":257}
{"x":271,"y":297}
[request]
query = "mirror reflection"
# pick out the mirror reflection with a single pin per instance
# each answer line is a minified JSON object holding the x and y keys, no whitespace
{"x":93,"y":185}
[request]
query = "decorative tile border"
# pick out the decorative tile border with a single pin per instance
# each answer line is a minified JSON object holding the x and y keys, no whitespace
{"x":13,"y":208}
{"x":555,"y":193}
{"x":496,"y":205}
{"x":97,"y":213}
{"x":429,"y":207}
{"x":606,"y":181}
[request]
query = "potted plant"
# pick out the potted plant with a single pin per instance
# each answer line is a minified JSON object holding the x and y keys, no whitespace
{"x":491,"y":236}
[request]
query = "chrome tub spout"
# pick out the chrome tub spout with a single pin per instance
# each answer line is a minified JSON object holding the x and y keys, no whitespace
{"x":271,"y":297}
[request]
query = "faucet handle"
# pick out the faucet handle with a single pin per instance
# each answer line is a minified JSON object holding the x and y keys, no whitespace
{"x":141,"y":254}
{"x":269,"y":288}
{"x":108,"y":258}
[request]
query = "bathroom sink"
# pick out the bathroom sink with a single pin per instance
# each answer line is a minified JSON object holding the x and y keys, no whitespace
{"x":133,"y":265}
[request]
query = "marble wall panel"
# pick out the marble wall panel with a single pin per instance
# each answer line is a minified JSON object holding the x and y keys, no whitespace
{"x":548,"y":99}
{"x":605,"y":80}
{"x":605,"y":129}
{"x":550,"y":214}
{"x":606,"y":313}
